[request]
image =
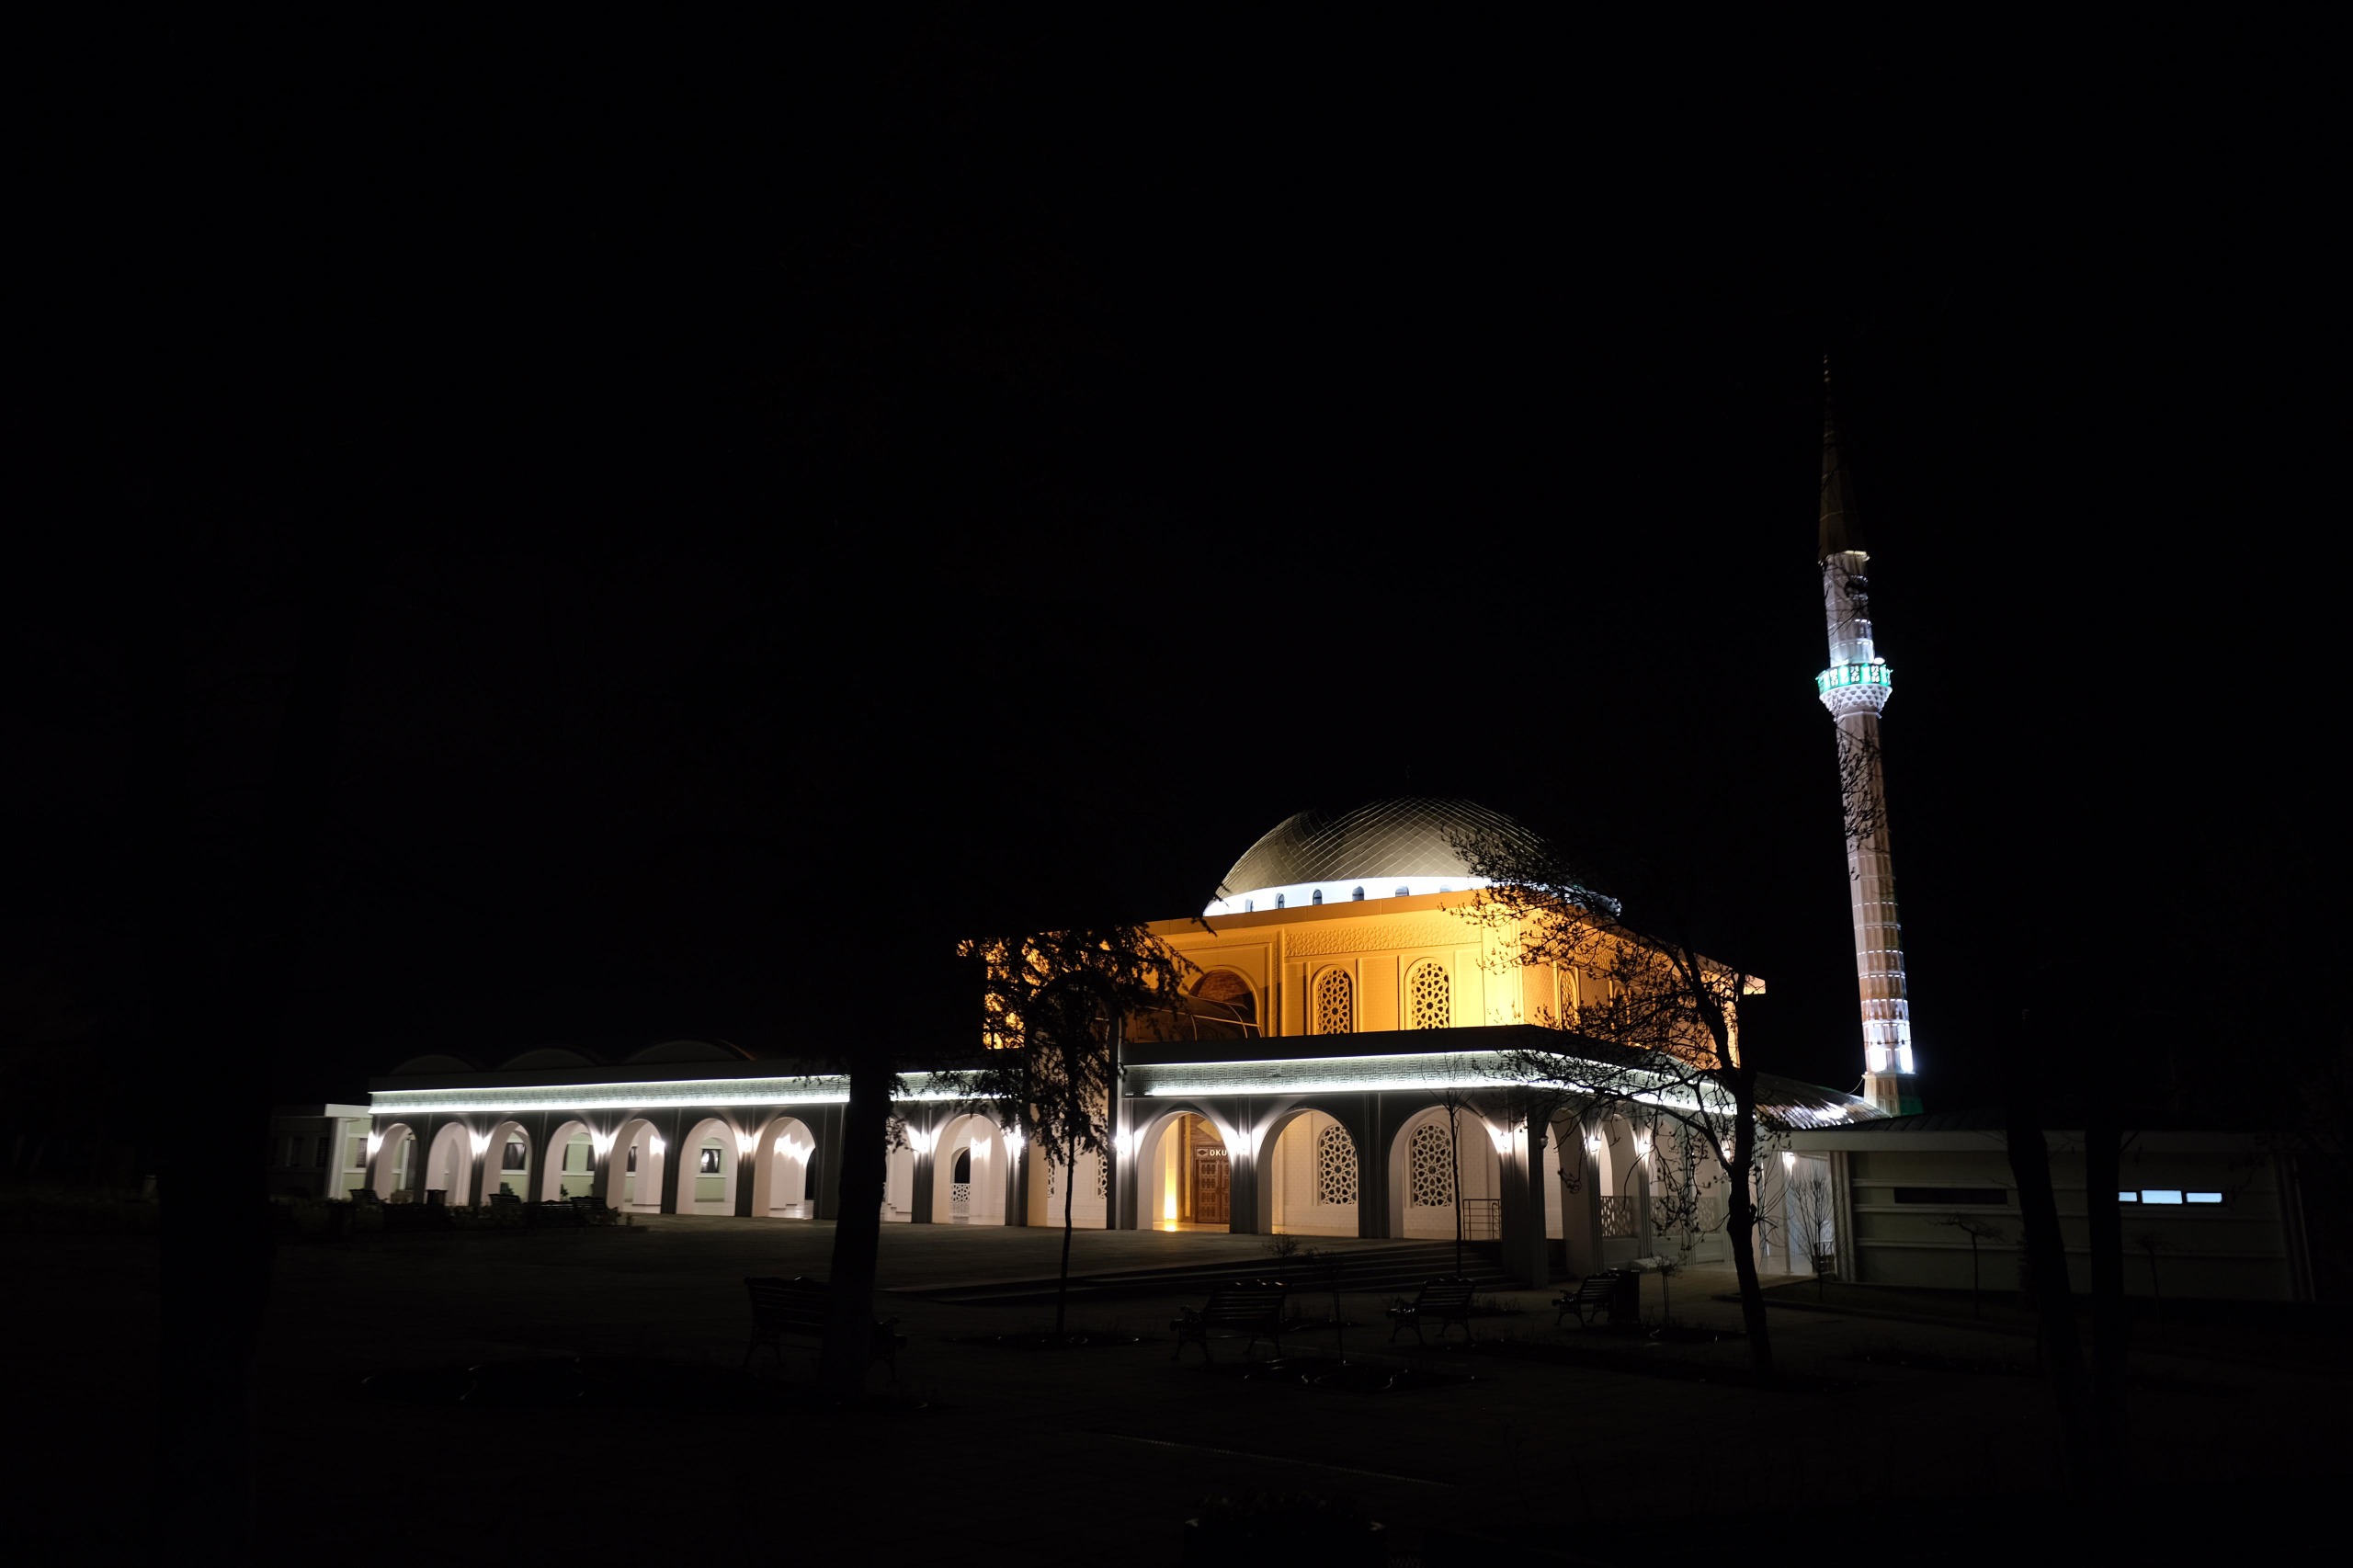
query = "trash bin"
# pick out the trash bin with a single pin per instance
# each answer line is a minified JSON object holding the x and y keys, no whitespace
{"x":1625,"y":1299}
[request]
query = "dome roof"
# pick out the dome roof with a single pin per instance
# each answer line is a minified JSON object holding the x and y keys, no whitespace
{"x":1380,"y":850}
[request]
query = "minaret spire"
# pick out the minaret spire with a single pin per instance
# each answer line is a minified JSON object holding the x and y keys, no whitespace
{"x":1854,"y":688}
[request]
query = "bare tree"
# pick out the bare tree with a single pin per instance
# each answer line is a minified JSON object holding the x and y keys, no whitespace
{"x":1977,"y":1231}
{"x":1809,"y":1216}
{"x":1654,"y":1031}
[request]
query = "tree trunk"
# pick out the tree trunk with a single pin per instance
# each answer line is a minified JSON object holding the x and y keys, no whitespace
{"x":2111,"y":1330}
{"x":1454,"y":1152}
{"x":858,"y":1233}
{"x":2046,"y":1255}
{"x":1741,"y":1221}
{"x":1070,"y":1192}
{"x":215,"y":981}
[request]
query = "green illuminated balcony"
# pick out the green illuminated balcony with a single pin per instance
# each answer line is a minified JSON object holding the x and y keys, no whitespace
{"x":1839,"y":675}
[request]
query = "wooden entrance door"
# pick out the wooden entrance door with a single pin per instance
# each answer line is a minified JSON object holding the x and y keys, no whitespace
{"x":1212,"y":1185}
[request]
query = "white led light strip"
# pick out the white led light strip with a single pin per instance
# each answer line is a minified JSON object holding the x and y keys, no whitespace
{"x":713,"y":1092}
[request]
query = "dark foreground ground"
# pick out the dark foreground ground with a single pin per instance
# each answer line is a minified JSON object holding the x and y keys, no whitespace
{"x":1919,"y":1438}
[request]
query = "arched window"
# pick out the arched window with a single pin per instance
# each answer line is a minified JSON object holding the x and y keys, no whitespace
{"x":1404,"y":892}
{"x":1429,"y":997}
{"x":963,"y":1169}
{"x":1357,"y":897}
{"x":1335,"y":1165}
{"x":1232,"y":994}
{"x":1334,"y":1002}
{"x":1249,"y":906}
{"x":1316,"y":897}
{"x":1279,"y":901}
{"x":1429,"y":1166}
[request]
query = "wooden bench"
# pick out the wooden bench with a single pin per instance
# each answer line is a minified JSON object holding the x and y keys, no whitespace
{"x":801,"y":1307}
{"x":1252,"y":1307}
{"x":1442,"y":1302}
{"x":1594,"y":1294}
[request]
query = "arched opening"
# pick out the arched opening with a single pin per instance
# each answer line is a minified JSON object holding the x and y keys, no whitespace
{"x":449,"y":1166}
{"x":1090,"y":1202}
{"x":1184,"y":1177}
{"x":571,"y":1163}
{"x":1230,"y":994}
{"x":396,"y":1161}
{"x":1314,"y":1176}
{"x":1431,"y":1182}
{"x":508,"y":1174}
{"x":707,"y":1182}
{"x":783,"y":1171}
{"x":899,"y":1178}
{"x":639,"y":1154}
{"x":970,"y":1162}
{"x":1625,"y":1192}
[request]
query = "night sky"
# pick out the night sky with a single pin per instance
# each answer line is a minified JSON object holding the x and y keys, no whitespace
{"x":815,"y":494}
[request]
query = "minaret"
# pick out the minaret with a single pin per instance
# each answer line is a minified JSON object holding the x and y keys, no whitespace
{"x":1855,"y":689}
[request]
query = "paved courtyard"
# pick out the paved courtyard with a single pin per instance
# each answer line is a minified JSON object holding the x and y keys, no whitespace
{"x":990,"y":1455}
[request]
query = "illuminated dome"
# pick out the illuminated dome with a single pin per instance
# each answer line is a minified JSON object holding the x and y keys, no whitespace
{"x":1387,"y":849}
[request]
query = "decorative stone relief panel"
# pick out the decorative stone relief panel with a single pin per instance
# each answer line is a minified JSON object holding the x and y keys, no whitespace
{"x":1439,"y":931}
{"x":1335,"y":1165}
{"x":1334,"y":1002}
{"x":1429,"y":997}
{"x":1429,"y":1166}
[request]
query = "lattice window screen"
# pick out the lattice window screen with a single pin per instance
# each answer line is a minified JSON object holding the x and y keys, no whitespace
{"x":1429,"y":1166}
{"x":1430,"y":998}
{"x":1335,"y":1165}
{"x":1102,"y":1176}
{"x":1334,"y":998}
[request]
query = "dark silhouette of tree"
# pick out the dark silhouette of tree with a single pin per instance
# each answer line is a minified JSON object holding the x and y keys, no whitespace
{"x":1055,"y":1005}
{"x":1655,"y":1031}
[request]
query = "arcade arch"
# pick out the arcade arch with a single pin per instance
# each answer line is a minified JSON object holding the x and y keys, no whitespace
{"x":1184,"y":1174}
{"x":449,"y":1166}
{"x":509,"y":1157}
{"x":638,"y":1155}
{"x":784,"y":1168}
{"x":707,"y":1181}
{"x":970,"y":1165}
{"x":571,"y":1163}
{"x":1425,"y":1167}
{"x":1313,"y":1176}
{"x":396,"y":1159}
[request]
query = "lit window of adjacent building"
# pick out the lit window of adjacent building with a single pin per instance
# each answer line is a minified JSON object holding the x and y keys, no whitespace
{"x":2205,"y":1198}
{"x":2161,"y":1195}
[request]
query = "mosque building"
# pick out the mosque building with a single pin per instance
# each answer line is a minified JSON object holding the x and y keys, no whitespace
{"x":1334,"y":1069}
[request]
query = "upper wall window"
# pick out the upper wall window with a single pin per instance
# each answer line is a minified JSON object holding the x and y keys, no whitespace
{"x":1316,"y":897}
{"x":1232,"y":991}
{"x":1279,"y":901}
{"x":1357,"y":897}
{"x":1334,"y":1002}
{"x":1404,"y":892}
{"x":1429,"y":997}
{"x":516,"y":1156}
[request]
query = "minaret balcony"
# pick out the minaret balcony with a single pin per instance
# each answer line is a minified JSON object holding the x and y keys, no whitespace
{"x":1844,"y":688}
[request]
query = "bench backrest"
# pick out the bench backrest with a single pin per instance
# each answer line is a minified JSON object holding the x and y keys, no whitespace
{"x":1239,"y":1302}
{"x":1445,"y":1295}
{"x":1595,"y":1287}
{"x":789,"y":1304}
